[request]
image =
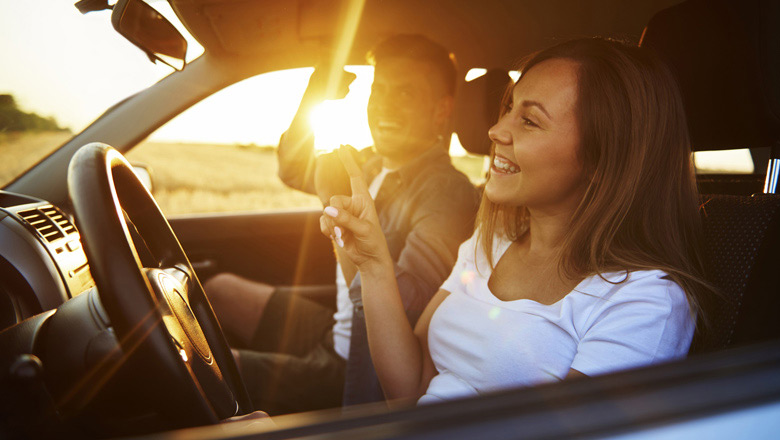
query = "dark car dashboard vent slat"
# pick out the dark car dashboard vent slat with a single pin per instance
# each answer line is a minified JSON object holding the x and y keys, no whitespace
{"x":61,"y":219}
{"x":49,"y":221}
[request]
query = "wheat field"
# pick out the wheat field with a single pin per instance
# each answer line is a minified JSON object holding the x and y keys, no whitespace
{"x":196,"y":178}
{"x":20,"y":151}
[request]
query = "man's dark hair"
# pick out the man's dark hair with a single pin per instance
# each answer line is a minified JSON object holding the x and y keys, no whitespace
{"x":419,"y":48}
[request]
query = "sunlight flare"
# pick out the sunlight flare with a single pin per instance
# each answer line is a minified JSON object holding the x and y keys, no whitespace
{"x":342,"y":50}
{"x":344,"y":121}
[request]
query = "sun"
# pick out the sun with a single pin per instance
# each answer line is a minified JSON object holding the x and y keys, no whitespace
{"x":344,"y":121}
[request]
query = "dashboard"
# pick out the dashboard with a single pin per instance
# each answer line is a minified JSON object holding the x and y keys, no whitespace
{"x":42,"y":261}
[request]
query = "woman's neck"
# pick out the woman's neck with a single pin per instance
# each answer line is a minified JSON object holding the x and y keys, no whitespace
{"x":546,"y":232}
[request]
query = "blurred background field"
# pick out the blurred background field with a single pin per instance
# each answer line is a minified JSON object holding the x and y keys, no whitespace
{"x":21,"y":150}
{"x":194,"y":178}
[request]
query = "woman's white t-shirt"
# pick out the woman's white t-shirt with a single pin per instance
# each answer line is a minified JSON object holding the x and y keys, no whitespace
{"x":480,"y":343}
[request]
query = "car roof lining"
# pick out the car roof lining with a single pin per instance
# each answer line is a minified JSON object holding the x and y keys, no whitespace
{"x":489,"y":34}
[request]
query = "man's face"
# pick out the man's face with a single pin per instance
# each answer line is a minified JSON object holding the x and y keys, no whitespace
{"x":406,"y":110}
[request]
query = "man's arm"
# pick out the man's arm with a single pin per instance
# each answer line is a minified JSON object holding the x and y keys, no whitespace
{"x":296,"y":146}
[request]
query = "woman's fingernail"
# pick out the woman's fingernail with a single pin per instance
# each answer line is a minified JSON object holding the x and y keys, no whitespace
{"x":337,"y":230}
{"x":340,"y":242}
{"x":331,"y":211}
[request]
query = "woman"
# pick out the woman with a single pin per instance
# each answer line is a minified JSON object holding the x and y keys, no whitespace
{"x":584,"y":259}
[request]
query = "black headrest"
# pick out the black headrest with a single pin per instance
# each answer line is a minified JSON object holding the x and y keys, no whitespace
{"x":726,"y":57}
{"x":477,"y":108}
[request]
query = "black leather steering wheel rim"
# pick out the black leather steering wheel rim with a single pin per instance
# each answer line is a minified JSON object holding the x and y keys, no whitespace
{"x":159,"y":312}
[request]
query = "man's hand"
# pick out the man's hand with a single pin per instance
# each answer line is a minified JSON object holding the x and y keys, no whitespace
{"x":296,"y":146}
{"x":326,"y":83}
{"x":330,"y":177}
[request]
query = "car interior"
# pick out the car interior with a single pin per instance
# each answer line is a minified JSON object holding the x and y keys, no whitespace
{"x":105,"y":329}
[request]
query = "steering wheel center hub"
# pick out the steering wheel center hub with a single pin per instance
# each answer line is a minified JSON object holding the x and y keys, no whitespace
{"x":175,"y":294}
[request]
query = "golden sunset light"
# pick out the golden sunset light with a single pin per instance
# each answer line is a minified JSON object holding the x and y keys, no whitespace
{"x":344,"y":121}
{"x":229,"y":219}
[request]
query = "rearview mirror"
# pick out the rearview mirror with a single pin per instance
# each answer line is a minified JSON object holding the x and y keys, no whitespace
{"x":143,"y":26}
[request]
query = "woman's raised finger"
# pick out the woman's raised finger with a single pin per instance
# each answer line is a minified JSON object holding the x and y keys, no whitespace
{"x":356,"y":180}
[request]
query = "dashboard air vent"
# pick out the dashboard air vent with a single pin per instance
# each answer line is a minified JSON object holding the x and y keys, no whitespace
{"x":45,"y":226}
{"x":62,"y":221}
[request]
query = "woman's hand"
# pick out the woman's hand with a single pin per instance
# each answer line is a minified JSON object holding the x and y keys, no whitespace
{"x":353,"y":224}
{"x":398,"y":355}
{"x":330,"y":177}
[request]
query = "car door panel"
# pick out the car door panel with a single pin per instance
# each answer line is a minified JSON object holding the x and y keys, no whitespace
{"x":279,"y":248}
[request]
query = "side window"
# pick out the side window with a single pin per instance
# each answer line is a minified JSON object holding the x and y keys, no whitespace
{"x":220,"y":155}
{"x":725,"y":161}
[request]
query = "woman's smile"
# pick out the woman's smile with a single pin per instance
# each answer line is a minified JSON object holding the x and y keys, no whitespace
{"x":502,"y":165}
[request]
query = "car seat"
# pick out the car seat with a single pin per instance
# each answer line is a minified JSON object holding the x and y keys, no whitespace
{"x":477,"y":108}
{"x":726,"y":58}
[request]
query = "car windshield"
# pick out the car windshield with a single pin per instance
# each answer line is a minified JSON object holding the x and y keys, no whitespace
{"x":61,"y":70}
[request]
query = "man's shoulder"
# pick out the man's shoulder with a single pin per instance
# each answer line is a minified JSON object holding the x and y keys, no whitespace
{"x":446,"y":177}
{"x":446,"y":189}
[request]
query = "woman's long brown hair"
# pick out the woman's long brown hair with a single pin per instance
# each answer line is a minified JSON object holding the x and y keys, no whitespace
{"x":639,"y":210}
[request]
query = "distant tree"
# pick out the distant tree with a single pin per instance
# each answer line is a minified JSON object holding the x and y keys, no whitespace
{"x":13,"y":119}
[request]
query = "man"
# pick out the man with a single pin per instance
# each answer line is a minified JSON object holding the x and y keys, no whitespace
{"x":300,"y":357}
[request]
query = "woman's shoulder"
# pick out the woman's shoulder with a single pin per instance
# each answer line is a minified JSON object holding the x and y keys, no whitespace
{"x":635,"y":302}
{"x":651,"y":287}
{"x":632,"y":277}
{"x":642,"y":318}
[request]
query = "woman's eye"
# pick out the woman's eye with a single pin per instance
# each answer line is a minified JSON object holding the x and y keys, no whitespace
{"x":529,"y":122}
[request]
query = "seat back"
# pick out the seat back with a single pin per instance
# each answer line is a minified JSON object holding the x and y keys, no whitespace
{"x":742,"y":238}
{"x":730,"y":84}
{"x":477,"y":109}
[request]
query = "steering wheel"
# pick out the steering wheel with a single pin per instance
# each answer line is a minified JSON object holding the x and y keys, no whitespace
{"x":158,"y":309}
